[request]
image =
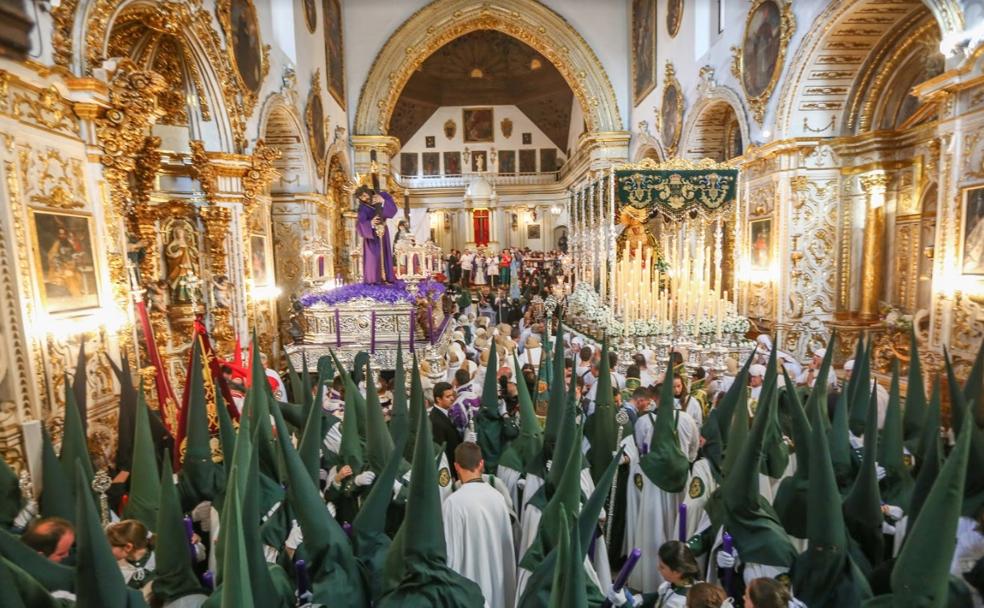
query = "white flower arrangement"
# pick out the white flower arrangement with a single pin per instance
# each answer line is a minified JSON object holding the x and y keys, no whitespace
{"x":706,"y":326}
{"x":615,"y":328}
{"x":897,"y":320}
{"x":735,"y":324}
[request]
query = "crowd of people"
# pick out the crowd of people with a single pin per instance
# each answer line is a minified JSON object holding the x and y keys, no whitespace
{"x":533,"y":467}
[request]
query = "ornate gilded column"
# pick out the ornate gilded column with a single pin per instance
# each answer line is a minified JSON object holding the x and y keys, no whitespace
{"x":216,"y":221}
{"x":874,"y":185}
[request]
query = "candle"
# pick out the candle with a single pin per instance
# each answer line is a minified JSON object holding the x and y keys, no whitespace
{"x":947,"y":320}
{"x":208,"y":579}
{"x":189,"y":533}
{"x":338,"y":329}
{"x":727,"y":545}
{"x":682,"y":522}
{"x":372,"y":332}
{"x":303,"y":580}
{"x":623,"y":574}
{"x":413,"y":327}
{"x":430,"y":321}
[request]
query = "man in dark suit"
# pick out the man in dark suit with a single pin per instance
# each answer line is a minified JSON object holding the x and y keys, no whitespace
{"x":442,"y":428}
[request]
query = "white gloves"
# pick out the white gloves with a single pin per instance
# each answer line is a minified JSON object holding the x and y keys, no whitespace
{"x":880,"y":471}
{"x":727,"y":560}
{"x":365,"y":479}
{"x":894,"y":512}
{"x":888,"y":528}
{"x":26,"y":515}
{"x":617,"y":598}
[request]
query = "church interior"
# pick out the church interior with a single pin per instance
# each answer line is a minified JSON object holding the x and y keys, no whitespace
{"x":182,"y":191}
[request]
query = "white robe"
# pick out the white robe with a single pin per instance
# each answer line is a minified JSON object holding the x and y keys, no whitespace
{"x":694,"y":409}
{"x":532,"y":357}
{"x":480,"y":542}
{"x":479,"y":278}
{"x":530,"y":523}
{"x":510,"y":477}
{"x":651,"y":513}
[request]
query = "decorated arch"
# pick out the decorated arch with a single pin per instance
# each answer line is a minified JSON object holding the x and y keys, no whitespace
{"x":846,"y":50}
{"x":530,"y":22}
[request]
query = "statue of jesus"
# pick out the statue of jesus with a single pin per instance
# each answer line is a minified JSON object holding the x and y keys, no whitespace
{"x":377,"y":253}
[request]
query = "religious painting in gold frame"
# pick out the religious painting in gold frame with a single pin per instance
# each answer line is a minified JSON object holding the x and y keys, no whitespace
{"x":66,"y":273}
{"x":643,"y":49}
{"x":311,"y":15}
{"x":314,"y":118}
{"x":258,"y":261}
{"x":246,"y":51}
{"x":674,"y":17}
{"x":758,"y":63}
{"x":972,"y":233}
{"x":477,"y":125}
{"x":671,"y":111}
{"x":334,"y":51}
{"x":760,"y":244}
{"x":533,"y":232}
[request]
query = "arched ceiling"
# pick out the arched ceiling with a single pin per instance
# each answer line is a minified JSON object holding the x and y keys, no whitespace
{"x":843,"y":52}
{"x":715,"y":134}
{"x":486,"y":67}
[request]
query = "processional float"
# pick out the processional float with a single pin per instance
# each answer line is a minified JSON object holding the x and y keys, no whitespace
{"x":654,"y":261}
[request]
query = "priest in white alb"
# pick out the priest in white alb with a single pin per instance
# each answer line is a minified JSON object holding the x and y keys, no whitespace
{"x":478,"y":530}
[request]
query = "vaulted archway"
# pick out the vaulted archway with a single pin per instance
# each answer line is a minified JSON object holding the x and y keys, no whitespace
{"x":439,"y":23}
{"x":846,"y":50}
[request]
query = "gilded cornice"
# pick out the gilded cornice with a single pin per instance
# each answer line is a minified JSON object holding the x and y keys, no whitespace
{"x":438,"y":23}
{"x":387,"y":144}
{"x":42,"y":107}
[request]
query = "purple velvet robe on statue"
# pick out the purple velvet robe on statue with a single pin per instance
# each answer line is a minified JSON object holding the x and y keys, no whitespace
{"x":371,"y":241}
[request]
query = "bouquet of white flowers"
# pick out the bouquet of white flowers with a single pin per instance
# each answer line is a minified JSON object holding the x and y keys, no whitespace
{"x":615,"y":328}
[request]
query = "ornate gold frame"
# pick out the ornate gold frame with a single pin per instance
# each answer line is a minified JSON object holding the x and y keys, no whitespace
{"x":223,"y":11}
{"x":787,"y":26}
{"x":36,"y":250}
{"x":772,"y":242}
{"x":670,"y":83}
{"x":315,"y":93}
{"x":338,"y":96}
{"x":963,"y":229}
{"x":637,"y":99}
{"x":312,"y":26}
{"x":674,"y":31}
{"x":464,"y":124}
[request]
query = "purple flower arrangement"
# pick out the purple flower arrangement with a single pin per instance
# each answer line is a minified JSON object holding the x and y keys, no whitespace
{"x":386,"y":294}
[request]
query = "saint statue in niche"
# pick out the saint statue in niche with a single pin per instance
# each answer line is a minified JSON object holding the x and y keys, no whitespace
{"x":181,"y":254}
